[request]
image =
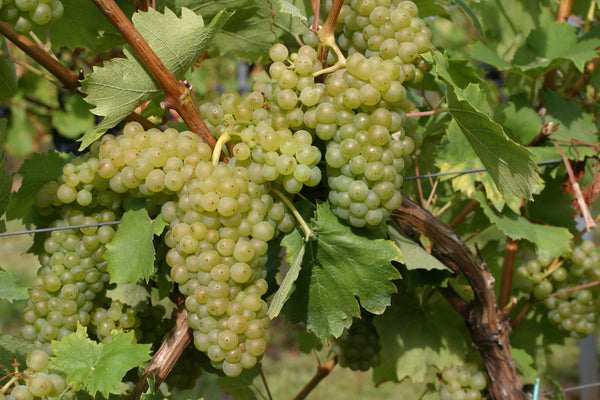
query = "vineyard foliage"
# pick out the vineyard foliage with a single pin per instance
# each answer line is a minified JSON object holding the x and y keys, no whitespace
{"x":399,"y":181}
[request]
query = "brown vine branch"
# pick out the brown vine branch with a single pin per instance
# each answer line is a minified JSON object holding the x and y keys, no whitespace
{"x":326,"y":33}
{"x":585,"y":212}
{"x":426,"y":113}
{"x":68,"y":78}
{"x":322,"y":372}
{"x":564,"y":10}
{"x":178,"y":94}
{"x":573,"y":289}
{"x":488,"y":325}
{"x":166,"y":356}
{"x":508,"y":269}
{"x":463,"y":214}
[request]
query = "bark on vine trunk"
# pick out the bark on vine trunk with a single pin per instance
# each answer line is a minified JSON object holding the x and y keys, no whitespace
{"x":489,"y":326}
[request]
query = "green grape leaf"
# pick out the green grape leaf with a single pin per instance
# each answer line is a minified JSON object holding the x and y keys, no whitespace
{"x":239,"y":387}
{"x":5,"y":184}
{"x":36,"y":171}
{"x":509,"y":164}
{"x":129,"y":294}
{"x":415,"y":256}
{"x":307,"y":342}
{"x":577,"y":126}
{"x":123,"y":84}
{"x":84,"y":26}
{"x":454,"y":154}
{"x":553,"y":44}
{"x":463,"y":6}
{"x":3,"y":132}
{"x":429,"y":8}
{"x":8,"y":75}
{"x":417,"y":335}
{"x":480,"y":52}
{"x":75,"y":119}
{"x":525,"y":363}
{"x":14,"y":348}
{"x":99,"y":367}
{"x":19,"y":139}
{"x":130,"y":254}
{"x":290,"y":8}
{"x":342,"y":267}
{"x":520,"y":119}
{"x":9,"y":288}
{"x":295,"y":249}
{"x":552,"y":240}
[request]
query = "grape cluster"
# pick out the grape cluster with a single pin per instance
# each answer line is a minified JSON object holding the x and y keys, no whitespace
{"x":464,"y":382}
{"x":267,"y":125}
{"x":72,"y":274}
{"x":37,"y":380}
{"x":116,"y":316}
{"x":25,"y":14}
{"x":574,"y":311}
{"x":358,"y":347}
{"x":218,"y":238}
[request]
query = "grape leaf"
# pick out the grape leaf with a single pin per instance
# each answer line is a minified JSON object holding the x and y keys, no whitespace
{"x":342,"y":267}
{"x":5,"y":183}
{"x":415,"y":256}
{"x":524,"y":363}
{"x":463,"y":6}
{"x":576,"y":125}
{"x":520,"y":119}
{"x":122,"y":84}
{"x":8,"y":75}
{"x":75,"y":119}
{"x":295,"y":249}
{"x":36,"y":171}
{"x":130,"y":254}
{"x":510,"y":165}
{"x":98,"y":366}
{"x":9,"y":288}
{"x":454,"y":154}
{"x":417,"y":335}
{"x":14,"y":348}
{"x":84,"y":26}
{"x":129,"y":294}
{"x":290,"y":8}
{"x":19,"y":139}
{"x":552,"y":240}
{"x":553,"y":44}
{"x":480,"y":52}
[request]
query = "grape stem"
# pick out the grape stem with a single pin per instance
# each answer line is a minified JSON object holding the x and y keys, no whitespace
{"x":9,"y":383}
{"x":224,"y":138}
{"x":307,"y":231}
{"x":426,"y":113}
{"x":178,"y":94}
{"x":322,"y":372}
{"x":573,"y":289}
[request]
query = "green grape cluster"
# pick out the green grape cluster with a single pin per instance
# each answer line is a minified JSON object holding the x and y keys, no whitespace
{"x":388,"y":29}
{"x":25,"y":14}
{"x":266,"y":125}
{"x":464,"y":382}
{"x":574,"y":311}
{"x":115,"y":317}
{"x":358,"y":347}
{"x":72,"y":274}
{"x":218,"y":238}
{"x":36,"y":381}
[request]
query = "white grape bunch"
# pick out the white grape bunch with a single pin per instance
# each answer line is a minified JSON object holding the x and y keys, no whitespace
{"x":24,"y":15}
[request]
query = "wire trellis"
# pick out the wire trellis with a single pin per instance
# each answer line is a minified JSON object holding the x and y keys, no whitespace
{"x":33,"y":231}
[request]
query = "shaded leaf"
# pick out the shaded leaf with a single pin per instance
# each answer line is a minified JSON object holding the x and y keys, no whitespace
{"x":480,"y":52}
{"x":240,"y":386}
{"x":463,"y":6}
{"x":14,"y":348}
{"x":416,"y":336}
{"x":342,"y":267}
{"x":553,"y":44}
{"x":98,"y":367}
{"x":75,"y":120}
{"x":19,"y":139}
{"x":5,"y":185}
{"x":551,"y":240}
{"x":129,"y":294}
{"x":9,"y":288}
{"x":130,"y":254}
{"x":524,"y":363}
{"x":8,"y":75}
{"x":36,"y":171}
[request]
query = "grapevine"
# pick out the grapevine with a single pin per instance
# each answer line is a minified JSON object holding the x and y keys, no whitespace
{"x":167,"y":251}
